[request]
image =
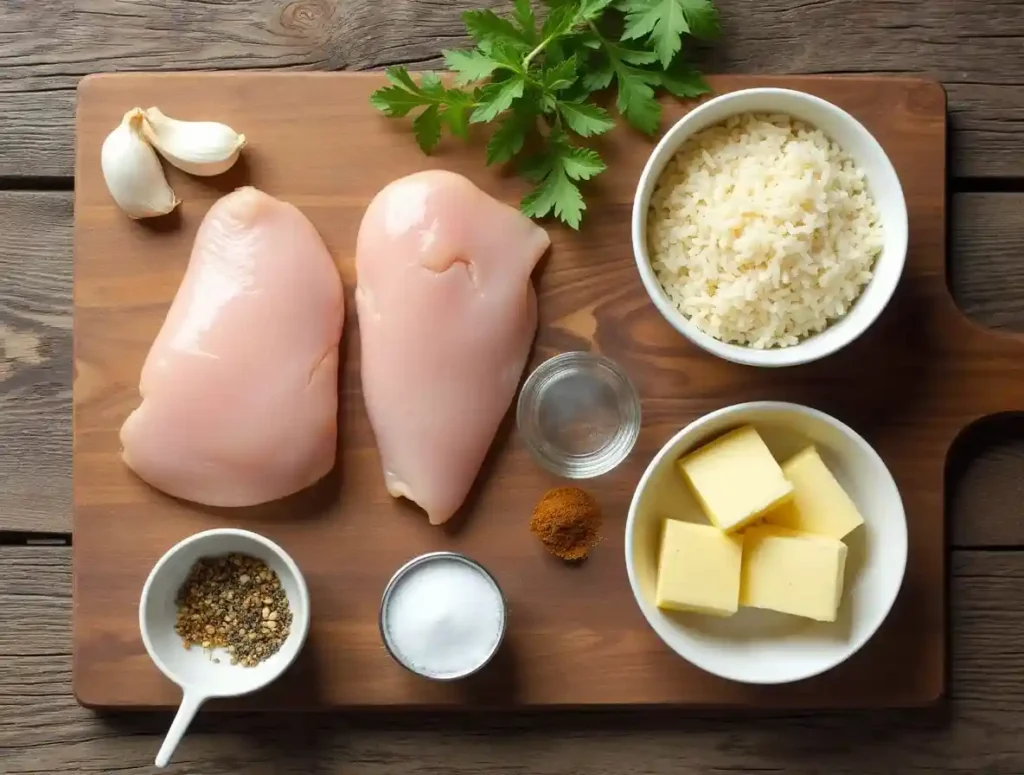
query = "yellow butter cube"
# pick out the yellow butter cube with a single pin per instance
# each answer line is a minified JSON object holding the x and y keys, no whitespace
{"x":735,"y":478}
{"x":793,"y":573}
{"x":819,"y":504}
{"x":699,"y":569}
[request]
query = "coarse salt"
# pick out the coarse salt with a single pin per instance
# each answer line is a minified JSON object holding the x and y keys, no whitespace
{"x":444,"y":618}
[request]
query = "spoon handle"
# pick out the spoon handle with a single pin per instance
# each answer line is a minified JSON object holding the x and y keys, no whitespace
{"x":190,"y":704}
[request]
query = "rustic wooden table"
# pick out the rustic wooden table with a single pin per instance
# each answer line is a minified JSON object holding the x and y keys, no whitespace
{"x":976,"y":47}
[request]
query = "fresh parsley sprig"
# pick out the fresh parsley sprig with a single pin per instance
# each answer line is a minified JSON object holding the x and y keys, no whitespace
{"x":535,"y":82}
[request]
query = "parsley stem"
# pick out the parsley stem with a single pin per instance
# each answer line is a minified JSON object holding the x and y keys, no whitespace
{"x":540,"y":47}
{"x":604,"y":44}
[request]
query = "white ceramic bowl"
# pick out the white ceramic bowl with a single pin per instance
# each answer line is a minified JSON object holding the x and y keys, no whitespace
{"x":194,"y":670}
{"x":883,"y":184}
{"x":764,"y":647}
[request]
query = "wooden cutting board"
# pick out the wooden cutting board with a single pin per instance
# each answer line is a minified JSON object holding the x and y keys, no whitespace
{"x":576,"y":637}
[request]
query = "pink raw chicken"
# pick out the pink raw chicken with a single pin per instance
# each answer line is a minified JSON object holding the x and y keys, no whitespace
{"x":240,"y":388}
{"x":447,"y":316}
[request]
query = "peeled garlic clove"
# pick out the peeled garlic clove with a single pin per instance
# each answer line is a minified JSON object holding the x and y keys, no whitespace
{"x":197,"y":147}
{"x":132,"y":170}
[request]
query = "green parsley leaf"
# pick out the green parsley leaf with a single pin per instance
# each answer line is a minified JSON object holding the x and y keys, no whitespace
{"x":494,"y":98}
{"x":456,"y":114}
{"x":404,"y":95}
{"x":585,"y":119}
{"x":637,"y":56}
{"x":562,"y":19}
{"x":665,"y":21}
{"x":430,"y":84}
{"x":508,"y":57}
{"x":555,"y":192}
{"x":508,"y":138}
{"x":702,"y":18}
{"x":554,"y":53}
{"x":581,"y":163}
{"x":470,"y":66}
{"x":555,"y":195}
{"x":561,"y":76}
{"x":486,"y":26}
{"x":600,"y":77}
{"x":400,"y":77}
{"x":617,"y":59}
{"x":684,"y":83}
{"x":642,"y":16}
{"x":442,"y":107}
{"x":394,"y":101}
{"x":636,"y":98}
{"x":427,"y":128}
{"x":535,"y":168}
{"x":525,"y":18}
{"x":592,"y":9}
{"x":553,"y":172}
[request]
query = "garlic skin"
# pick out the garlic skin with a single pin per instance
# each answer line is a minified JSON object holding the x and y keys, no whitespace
{"x":198,"y":147}
{"x":132,"y":170}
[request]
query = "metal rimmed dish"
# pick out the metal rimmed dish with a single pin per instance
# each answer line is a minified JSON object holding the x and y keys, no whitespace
{"x":402,"y":573}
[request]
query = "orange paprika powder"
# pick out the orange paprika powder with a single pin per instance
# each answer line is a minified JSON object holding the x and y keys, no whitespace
{"x":567,"y":520}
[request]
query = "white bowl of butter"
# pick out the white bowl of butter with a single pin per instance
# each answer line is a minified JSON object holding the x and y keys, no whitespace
{"x":777,"y":554}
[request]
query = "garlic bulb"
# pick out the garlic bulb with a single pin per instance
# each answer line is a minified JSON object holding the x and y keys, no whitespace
{"x":197,"y":147}
{"x":132,"y":170}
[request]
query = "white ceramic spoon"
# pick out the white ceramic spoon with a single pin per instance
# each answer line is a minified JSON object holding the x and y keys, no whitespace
{"x":194,"y":670}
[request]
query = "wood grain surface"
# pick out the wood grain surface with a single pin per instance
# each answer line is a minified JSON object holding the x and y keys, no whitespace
{"x":975,"y":46}
{"x":935,"y":374}
{"x":976,"y":732}
{"x":982,"y":225}
{"x":35,"y":361}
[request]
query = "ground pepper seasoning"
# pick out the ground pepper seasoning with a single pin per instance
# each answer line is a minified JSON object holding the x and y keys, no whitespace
{"x":568,"y":522}
{"x":234,"y":602}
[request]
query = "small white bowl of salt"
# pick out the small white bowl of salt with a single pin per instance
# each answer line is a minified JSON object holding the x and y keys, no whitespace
{"x":442,"y":616}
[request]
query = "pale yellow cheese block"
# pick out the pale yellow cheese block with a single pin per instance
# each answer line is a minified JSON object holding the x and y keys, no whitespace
{"x":735,"y":479}
{"x":699,"y":569}
{"x":819,"y":504}
{"x":793,"y":573}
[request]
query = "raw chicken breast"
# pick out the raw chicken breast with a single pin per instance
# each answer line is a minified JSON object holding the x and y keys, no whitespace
{"x":447,"y":316}
{"x":240,"y":389}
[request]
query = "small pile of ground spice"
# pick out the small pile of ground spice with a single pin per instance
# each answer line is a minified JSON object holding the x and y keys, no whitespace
{"x":234,"y":602}
{"x":568,"y":522}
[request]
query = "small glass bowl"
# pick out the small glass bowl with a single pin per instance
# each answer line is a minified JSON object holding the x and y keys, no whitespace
{"x":579,"y":415}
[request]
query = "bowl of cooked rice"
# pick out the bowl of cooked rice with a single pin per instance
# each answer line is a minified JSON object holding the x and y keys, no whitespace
{"x":769,"y":227}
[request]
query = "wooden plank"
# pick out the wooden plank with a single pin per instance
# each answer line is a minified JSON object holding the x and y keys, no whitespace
{"x":590,"y":297}
{"x":35,"y":361}
{"x":43,"y":730}
{"x":986,"y":284}
{"x":975,"y":46}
